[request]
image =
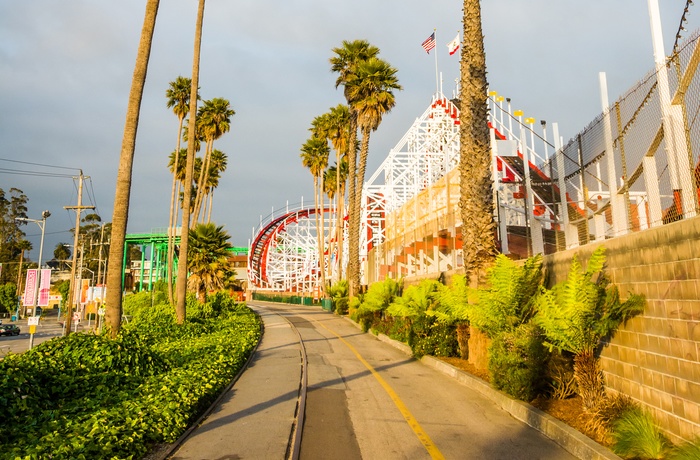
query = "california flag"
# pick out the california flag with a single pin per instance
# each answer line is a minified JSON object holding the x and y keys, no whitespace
{"x":453,"y":46}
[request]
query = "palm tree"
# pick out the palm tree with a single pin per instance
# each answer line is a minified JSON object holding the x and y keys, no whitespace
{"x":126,"y":161}
{"x":208,"y":259}
{"x":370,"y":93}
{"x":337,"y":130}
{"x":61,"y":253}
{"x":214,"y":121}
{"x":181,"y":286}
{"x":314,"y":155}
{"x":178,"y":95}
{"x":476,"y":197}
{"x":347,"y":58}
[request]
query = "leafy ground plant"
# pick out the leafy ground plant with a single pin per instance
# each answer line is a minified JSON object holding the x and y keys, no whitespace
{"x":89,"y":397}
{"x":578,"y":314}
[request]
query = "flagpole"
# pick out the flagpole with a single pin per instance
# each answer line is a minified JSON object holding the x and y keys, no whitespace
{"x":437,"y":80}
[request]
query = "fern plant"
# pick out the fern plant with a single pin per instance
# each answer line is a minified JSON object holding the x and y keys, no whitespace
{"x":339,"y":293}
{"x":507,"y":302}
{"x":578,"y":314}
{"x":417,"y":300}
{"x":377,"y":299}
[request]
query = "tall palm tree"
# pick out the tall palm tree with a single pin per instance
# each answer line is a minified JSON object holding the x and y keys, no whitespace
{"x":314,"y":155}
{"x":126,"y":160}
{"x":178,"y":95}
{"x":476,"y":198}
{"x":181,"y":286}
{"x":208,"y":259}
{"x":214,"y":121}
{"x":347,"y":58}
{"x":370,"y":93}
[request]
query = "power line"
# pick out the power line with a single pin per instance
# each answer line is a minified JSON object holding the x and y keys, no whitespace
{"x":22,"y":172}
{"x":38,"y":164}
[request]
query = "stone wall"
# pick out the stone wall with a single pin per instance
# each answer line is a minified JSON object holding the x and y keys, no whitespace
{"x":654,"y":358}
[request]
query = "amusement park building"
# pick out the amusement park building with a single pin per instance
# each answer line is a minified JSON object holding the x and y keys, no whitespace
{"x":628,"y":181}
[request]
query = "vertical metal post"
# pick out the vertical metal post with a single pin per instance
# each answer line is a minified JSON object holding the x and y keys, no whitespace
{"x":569,"y":239}
{"x":617,"y":203}
{"x":675,"y":145}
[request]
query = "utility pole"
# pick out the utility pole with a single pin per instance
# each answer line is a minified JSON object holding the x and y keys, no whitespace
{"x":71,"y":296}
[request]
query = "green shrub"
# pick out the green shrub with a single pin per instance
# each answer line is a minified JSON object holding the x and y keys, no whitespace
{"x":86,"y":396}
{"x":635,"y":435}
{"x":517,"y":362}
{"x":8,"y":298}
{"x":429,"y":336}
{"x":375,"y":301}
{"x":339,"y":293}
{"x":394,"y":327}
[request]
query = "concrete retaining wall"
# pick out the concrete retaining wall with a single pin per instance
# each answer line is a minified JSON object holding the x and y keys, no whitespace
{"x":654,"y":358}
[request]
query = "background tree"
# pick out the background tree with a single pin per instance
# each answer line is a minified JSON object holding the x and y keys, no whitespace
{"x":347,"y":57}
{"x":370,"y":93}
{"x":314,"y":156}
{"x":214,"y":120}
{"x":476,"y":198}
{"x":13,"y":205}
{"x":178,"y":96}
{"x":62,"y":253}
{"x":126,"y":160}
{"x":208,"y":259}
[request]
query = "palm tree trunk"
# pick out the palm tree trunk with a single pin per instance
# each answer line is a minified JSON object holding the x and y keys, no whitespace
{"x":338,"y":246}
{"x":357,"y":217}
{"x":203,"y":176}
{"x":181,"y":286}
{"x":322,"y":240}
{"x":173,"y":219}
{"x":476,"y":199}
{"x":589,"y":378}
{"x":353,"y":270}
{"x":211,"y":203}
{"x":341,"y":233}
{"x":126,"y":160}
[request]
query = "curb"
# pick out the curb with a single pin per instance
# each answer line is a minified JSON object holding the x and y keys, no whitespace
{"x":575,"y":442}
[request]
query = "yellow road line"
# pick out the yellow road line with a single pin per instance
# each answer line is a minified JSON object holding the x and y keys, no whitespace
{"x":432,"y":449}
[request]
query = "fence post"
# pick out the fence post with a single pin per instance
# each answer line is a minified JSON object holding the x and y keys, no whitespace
{"x":617,"y":202}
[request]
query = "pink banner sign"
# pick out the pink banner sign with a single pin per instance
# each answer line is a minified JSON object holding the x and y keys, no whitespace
{"x":30,"y":288}
{"x":44,"y":288}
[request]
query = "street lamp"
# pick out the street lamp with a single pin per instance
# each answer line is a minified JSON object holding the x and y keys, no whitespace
{"x":42,"y":225}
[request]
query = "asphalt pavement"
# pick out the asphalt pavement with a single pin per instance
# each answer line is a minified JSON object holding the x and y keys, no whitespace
{"x":48,"y":328}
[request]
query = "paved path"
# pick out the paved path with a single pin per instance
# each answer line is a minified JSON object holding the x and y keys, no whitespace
{"x":366,"y":399}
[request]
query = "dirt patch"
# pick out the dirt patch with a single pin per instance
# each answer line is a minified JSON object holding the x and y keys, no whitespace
{"x":569,"y":411}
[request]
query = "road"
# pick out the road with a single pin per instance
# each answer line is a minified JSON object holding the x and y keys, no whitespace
{"x":47,"y":329}
{"x":365,"y":400}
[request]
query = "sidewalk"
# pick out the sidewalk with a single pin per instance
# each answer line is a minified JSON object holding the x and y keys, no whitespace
{"x":255,"y":418}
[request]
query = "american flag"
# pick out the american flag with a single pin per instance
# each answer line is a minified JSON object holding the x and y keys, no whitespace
{"x":429,"y":43}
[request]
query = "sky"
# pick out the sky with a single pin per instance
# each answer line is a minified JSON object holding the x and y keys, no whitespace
{"x":66,"y":69}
